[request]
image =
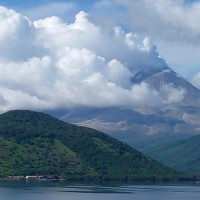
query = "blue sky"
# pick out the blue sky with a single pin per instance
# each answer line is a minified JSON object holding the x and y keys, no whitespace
{"x":29,"y":7}
{"x":191,"y":1}
{"x":30,"y":3}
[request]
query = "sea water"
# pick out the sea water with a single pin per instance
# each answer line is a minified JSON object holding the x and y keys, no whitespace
{"x":105,"y":191}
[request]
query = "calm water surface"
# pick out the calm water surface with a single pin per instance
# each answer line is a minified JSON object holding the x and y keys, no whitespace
{"x":27,"y":191}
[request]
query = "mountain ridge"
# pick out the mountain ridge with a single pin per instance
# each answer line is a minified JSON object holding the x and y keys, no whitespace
{"x":181,"y":155}
{"x":35,"y":143}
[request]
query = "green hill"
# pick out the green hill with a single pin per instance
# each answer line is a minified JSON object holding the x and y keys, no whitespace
{"x":181,"y":155}
{"x":33,"y":143}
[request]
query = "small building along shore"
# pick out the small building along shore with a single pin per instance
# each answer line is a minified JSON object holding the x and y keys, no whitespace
{"x":35,"y":178}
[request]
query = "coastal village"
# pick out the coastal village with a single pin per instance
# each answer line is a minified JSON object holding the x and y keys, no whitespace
{"x":35,"y":178}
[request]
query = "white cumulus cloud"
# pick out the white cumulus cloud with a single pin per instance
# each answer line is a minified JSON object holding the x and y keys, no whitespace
{"x":50,"y":64}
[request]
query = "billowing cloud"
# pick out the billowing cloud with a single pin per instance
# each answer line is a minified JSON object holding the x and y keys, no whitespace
{"x":173,"y":25}
{"x":49,"y":64}
{"x":17,"y":36}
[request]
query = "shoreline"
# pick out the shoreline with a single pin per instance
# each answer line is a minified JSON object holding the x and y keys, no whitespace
{"x":147,"y":179}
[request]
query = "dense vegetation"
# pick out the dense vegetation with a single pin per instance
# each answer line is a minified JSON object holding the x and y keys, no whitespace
{"x":33,"y":143}
{"x":181,"y":155}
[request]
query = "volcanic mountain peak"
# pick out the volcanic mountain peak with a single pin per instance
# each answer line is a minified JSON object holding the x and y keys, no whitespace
{"x":144,"y":127}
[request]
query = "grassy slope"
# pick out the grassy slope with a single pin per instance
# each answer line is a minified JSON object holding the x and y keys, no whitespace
{"x":184,"y":156}
{"x":35,"y":143}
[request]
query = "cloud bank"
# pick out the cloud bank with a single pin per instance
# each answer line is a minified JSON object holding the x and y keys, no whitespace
{"x":169,"y":20}
{"x":49,"y":64}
